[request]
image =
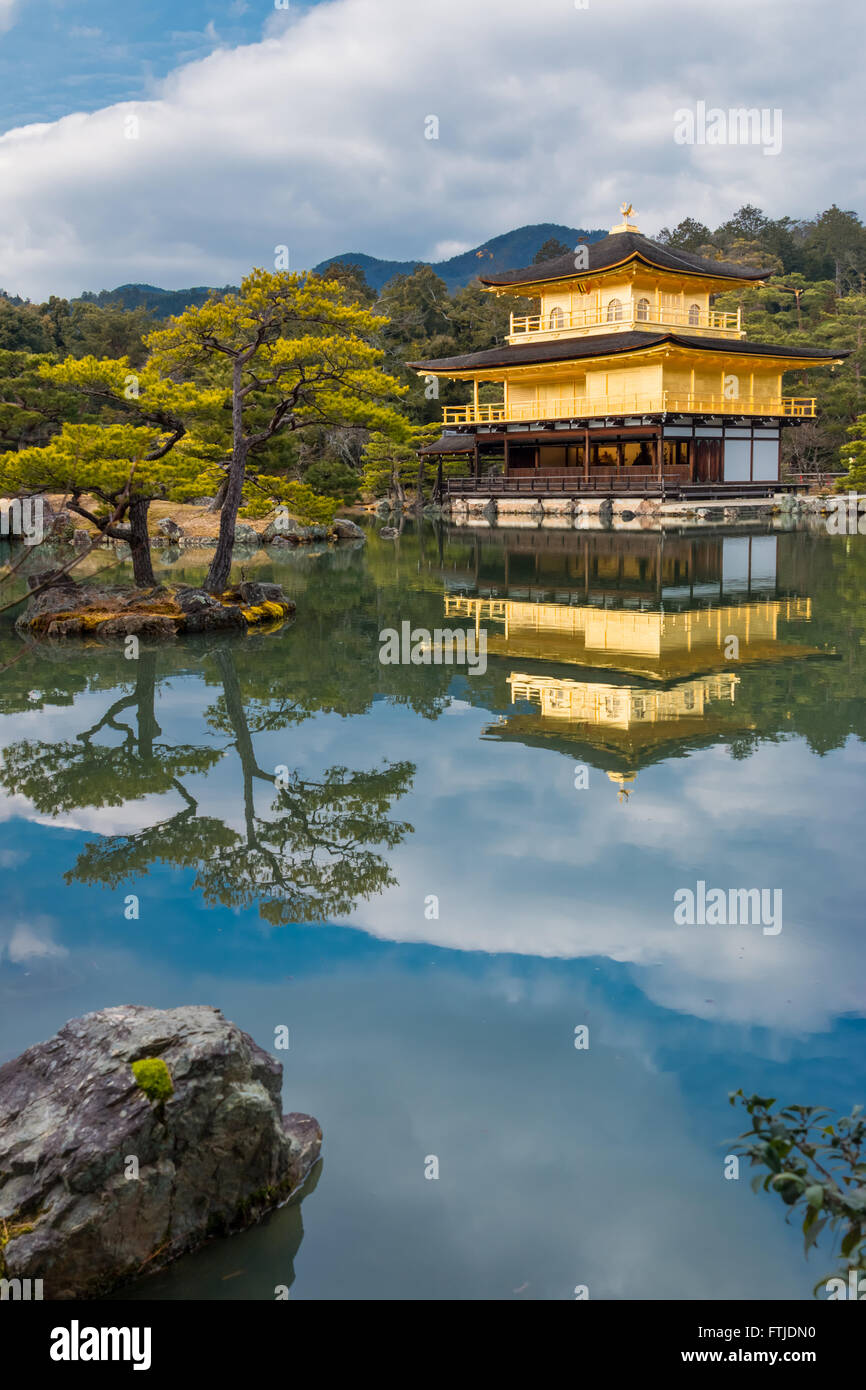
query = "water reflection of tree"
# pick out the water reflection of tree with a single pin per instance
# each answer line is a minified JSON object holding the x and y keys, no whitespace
{"x":312,"y":856}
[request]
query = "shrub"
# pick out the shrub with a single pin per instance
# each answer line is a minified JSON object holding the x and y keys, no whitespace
{"x":307,"y":506}
{"x":333,"y":478}
{"x":815,"y":1165}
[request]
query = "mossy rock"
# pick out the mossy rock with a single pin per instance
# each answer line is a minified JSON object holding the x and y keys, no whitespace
{"x":154,"y":1078}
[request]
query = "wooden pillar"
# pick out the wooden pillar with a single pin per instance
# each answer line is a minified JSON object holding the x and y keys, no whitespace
{"x":660,"y":453}
{"x":475,"y":398}
{"x":506,"y":451}
{"x":586,"y":454}
{"x":475,"y":460}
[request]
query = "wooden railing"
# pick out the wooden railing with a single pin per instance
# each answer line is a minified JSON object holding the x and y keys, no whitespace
{"x":569,"y":407}
{"x":624,"y":482}
{"x":725,"y":321}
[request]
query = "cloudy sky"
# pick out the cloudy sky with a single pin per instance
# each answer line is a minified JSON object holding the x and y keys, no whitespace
{"x":179,"y":143}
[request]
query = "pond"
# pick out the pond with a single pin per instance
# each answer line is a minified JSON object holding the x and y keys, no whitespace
{"x":456,"y":887}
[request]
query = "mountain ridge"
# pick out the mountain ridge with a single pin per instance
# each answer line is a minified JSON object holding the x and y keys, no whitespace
{"x":508,"y":251}
{"x":504,"y":252}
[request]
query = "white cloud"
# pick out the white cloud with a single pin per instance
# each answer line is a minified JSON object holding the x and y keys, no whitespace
{"x":7,"y":14}
{"x":30,"y":941}
{"x":315,"y":137}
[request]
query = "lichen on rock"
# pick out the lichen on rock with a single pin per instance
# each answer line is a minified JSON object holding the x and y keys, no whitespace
{"x":154,"y":1078}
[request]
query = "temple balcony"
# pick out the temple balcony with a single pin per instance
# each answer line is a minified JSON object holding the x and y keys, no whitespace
{"x":599,"y":407}
{"x":631,"y":315}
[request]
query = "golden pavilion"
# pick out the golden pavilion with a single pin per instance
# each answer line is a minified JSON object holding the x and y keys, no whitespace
{"x":626,"y":380}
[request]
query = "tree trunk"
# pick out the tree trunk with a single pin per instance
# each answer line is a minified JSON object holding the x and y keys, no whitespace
{"x":218,"y":574}
{"x":399,"y":496}
{"x":420,"y":500}
{"x":145,"y":699}
{"x":217,"y":504}
{"x":142,"y":565}
{"x":243,"y":738}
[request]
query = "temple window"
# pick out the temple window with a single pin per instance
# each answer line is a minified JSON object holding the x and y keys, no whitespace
{"x":694,"y":315}
{"x":643,"y":309}
{"x":556,"y":319}
{"x":614,"y":311}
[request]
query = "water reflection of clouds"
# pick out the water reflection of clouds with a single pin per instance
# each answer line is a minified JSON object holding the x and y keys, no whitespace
{"x":524,"y":863}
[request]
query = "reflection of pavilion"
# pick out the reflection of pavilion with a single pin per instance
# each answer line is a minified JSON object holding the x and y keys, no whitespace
{"x":651,"y":684}
{"x":629,"y":649}
{"x":635,"y":570}
{"x":622,"y":706}
{"x":621,"y":727}
{"x":654,"y":644}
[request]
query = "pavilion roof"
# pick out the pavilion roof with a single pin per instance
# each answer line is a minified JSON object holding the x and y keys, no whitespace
{"x":617,"y":249}
{"x":613,"y":344}
{"x":450,"y":444}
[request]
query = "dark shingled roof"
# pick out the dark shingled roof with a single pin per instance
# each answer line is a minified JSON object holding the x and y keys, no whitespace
{"x":613,"y":250}
{"x":450,"y":444}
{"x":608,"y":344}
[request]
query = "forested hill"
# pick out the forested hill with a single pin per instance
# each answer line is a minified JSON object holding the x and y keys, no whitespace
{"x":515,"y":248}
{"x":500,"y":253}
{"x":162,"y":304}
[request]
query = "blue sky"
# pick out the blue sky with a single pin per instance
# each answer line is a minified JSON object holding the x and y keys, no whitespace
{"x":61,"y":56}
{"x":309,"y":127}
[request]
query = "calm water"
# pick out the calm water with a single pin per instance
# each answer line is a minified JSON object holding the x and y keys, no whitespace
{"x":409,"y":788}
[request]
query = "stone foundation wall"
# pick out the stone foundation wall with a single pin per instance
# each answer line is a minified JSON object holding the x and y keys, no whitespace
{"x":627,"y":513}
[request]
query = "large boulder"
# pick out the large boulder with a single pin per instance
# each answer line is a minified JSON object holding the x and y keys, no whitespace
{"x":346,"y":530}
{"x":108,"y":1168}
{"x":284,"y":528}
{"x":169,"y":527}
{"x":59,"y":525}
{"x":246,"y":535}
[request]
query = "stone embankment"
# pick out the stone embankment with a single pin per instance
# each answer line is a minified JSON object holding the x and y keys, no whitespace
{"x":638,"y":514}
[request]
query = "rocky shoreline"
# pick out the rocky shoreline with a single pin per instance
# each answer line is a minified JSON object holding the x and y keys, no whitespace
{"x":133,"y":1136}
{"x":280,"y":534}
{"x":62,"y":608}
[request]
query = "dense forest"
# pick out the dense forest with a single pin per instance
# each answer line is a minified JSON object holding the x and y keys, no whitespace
{"x":815,"y":294}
